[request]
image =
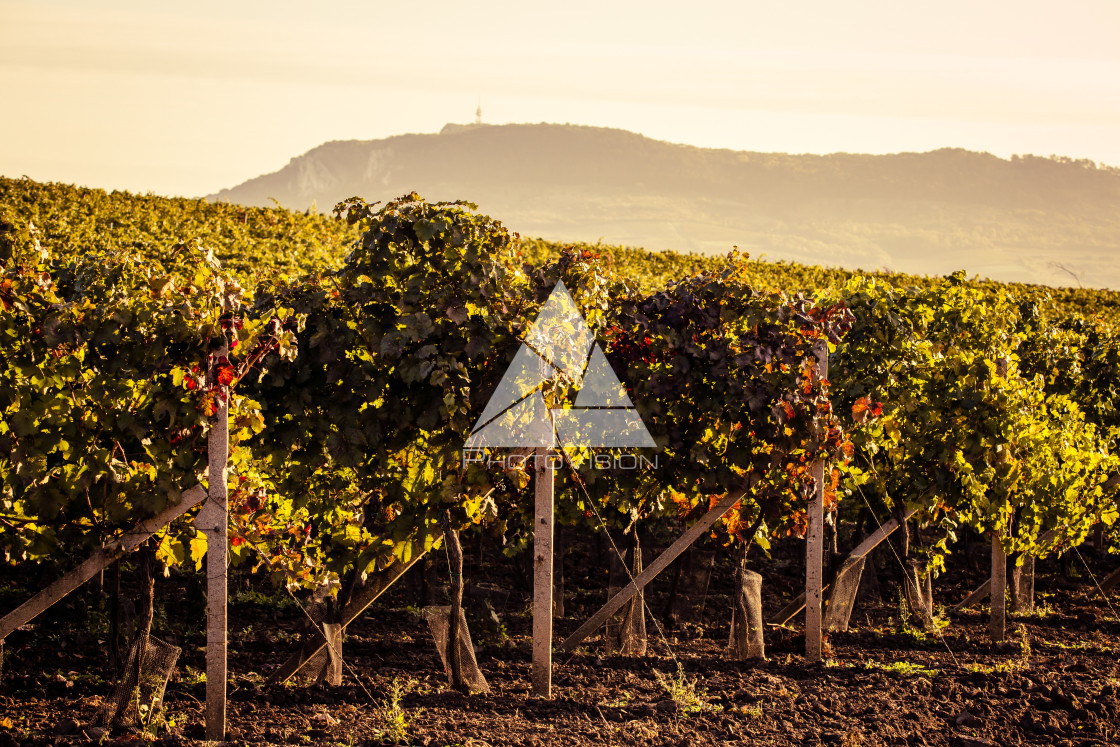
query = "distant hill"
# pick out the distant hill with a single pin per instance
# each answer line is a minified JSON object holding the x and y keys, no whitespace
{"x":1053,"y":221}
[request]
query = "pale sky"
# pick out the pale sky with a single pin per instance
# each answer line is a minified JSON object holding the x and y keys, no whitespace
{"x":190,"y":97}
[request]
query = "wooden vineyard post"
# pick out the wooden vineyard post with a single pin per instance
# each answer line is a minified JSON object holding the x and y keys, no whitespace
{"x":542,"y":574}
{"x":214,"y":522}
{"x":814,"y":542}
{"x":998,"y":622}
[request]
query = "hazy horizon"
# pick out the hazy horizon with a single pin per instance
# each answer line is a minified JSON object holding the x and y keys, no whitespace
{"x":189,"y":100}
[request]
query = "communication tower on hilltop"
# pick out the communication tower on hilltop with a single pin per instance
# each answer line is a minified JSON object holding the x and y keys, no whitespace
{"x":478,"y":113}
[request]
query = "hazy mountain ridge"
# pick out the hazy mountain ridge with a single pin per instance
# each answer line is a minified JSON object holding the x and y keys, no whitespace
{"x":935,"y":212}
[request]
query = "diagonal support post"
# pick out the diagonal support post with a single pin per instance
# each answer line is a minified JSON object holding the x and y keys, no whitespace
{"x":1111,"y":581}
{"x":615,"y":603}
{"x":788,"y":612}
{"x":101,"y":558}
{"x":362,"y":598}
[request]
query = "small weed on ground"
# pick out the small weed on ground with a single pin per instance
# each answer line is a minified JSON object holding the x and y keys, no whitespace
{"x":908,"y":668}
{"x":391,"y":722}
{"x":684,"y":692}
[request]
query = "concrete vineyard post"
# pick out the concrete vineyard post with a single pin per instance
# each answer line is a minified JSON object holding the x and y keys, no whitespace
{"x":542,"y":574}
{"x":997,"y":625}
{"x":217,"y":542}
{"x":814,"y":542}
{"x":983,"y":589}
{"x":998,"y":622}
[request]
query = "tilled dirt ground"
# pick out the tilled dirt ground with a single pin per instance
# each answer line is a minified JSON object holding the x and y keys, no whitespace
{"x":1055,"y":681}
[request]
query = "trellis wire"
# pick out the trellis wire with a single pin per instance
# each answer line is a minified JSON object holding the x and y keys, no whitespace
{"x":936,"y":627}
{"x":330,"y":646}
{"x":1095,"y":583}
{"x":603,"y":526}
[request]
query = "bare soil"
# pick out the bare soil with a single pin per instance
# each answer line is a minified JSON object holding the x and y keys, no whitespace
{"x":1055,"y":681}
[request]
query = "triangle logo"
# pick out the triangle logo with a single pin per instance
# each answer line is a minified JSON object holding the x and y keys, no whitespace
{"x":601,"y":387}
{"x":559,"y":344}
